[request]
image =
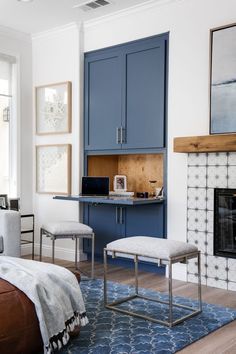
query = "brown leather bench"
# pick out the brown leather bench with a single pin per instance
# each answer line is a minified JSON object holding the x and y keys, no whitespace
{"x":19,"y":327}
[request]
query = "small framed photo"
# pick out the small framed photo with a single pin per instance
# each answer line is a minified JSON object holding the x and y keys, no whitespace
{"x":3,"y":201}
{"x":53,"y":108}
{"x":53,"y":169}
{"x":120,"y":183}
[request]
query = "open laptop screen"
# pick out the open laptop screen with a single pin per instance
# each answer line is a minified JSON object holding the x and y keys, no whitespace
{"x":95,"y":186}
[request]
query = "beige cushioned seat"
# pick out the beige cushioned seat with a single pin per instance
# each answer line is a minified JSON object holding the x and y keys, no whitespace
{"x":152,"y":247}
{"x":67,"y":228}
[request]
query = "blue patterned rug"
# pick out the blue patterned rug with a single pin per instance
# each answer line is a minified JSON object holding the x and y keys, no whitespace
{"x":112,"y":332}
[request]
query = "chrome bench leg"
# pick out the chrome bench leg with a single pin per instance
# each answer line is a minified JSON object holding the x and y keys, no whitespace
{"x":92,"y":260}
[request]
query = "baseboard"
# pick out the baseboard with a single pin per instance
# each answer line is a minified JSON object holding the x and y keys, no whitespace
{"x":60,"y":252}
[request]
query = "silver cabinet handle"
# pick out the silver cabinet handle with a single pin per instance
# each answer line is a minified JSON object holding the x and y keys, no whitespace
{"x":118,"y":135}
{"x":117,"y":215}
{"x":121,"y":216}
{"x":123,"y":135}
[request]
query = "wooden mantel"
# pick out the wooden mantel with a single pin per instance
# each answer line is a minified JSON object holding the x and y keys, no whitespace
{"x":206,"y":143}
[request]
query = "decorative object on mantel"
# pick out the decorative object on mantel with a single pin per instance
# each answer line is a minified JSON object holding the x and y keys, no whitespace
{"x":206,"y":143}
{"x":53,"y":108}
{"x":223,"y":80}
{"x":53,"y":169}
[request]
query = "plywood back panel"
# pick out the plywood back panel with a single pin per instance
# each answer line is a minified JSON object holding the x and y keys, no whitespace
{"x":103,"y":166}
{"x":140,"y":169}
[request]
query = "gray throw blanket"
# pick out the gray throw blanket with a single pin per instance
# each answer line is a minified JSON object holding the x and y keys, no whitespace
{"x":55,"y":293}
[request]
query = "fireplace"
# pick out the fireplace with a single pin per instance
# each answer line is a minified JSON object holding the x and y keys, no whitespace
{"x":225,"y":222}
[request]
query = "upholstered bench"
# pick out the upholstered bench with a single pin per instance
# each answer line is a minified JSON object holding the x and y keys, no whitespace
{"x":163,"y":252}
{"x":67,"y":230}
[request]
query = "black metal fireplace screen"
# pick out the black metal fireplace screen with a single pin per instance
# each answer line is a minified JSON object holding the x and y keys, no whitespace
{"x":225,"y":222}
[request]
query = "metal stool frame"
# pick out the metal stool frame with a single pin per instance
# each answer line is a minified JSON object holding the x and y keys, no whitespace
{"x":73,"y":237}
{"x":170,"y":323}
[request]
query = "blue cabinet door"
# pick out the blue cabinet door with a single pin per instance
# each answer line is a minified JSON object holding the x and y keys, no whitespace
{"x":111,"y":222}
{"x":102,"y":101}
{"x":145,"y":220}
{"x":125,"y":96}
{"x":145,"y":94}
{"x":104,"y":219}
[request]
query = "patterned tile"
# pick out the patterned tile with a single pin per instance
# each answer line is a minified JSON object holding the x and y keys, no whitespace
{"x":217,"y":268}
{"x":222,"y":284}
{"x":210,"y":199}
{"x":192,"y":278}
{"x":232,"y":177}
{"x":193,"y":269}
{"x":209,"y":244}
{"x":217,"y":159}
{"x":232,"y":158}
{"x":196,"y":220}
{"x":198,"y":239}
{"x":197,"y":159}
{"x":231,"y":286}
{"x":197,"y":176}
{"x":232,"y":269}
{"x":217,"y":177}
{"x":197,"y":198}
{"x":209,"y":221}
{"x":206,"y":172}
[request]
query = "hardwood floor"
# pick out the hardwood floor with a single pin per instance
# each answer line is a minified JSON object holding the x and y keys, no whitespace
{"x":222,"y":341}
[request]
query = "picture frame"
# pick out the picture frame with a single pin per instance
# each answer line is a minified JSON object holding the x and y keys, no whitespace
{"x":53,"y":169}
{"x":120,"y":183}
{"x":3,"y":201}
{"x":222,"y":80}
{"x":53,"y":108}
{"x":14,"y":204}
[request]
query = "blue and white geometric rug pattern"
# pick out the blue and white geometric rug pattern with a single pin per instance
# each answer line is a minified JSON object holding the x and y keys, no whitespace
{"x":110,"y":332}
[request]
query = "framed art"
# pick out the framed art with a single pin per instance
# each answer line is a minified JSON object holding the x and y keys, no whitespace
{"x":223,"y":80}
{"x":53,"y":108}
{"x":53,"y":169}
{"x":120,"y":183}
{"x":3,"y":201}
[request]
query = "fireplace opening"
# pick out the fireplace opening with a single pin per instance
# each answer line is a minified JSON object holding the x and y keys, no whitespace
{"x":225,"y":222}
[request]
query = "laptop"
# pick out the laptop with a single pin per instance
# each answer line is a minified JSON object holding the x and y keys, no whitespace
{"x":95,"y":187}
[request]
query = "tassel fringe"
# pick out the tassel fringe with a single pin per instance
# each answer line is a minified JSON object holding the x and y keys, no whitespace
{"x":61,"y":339}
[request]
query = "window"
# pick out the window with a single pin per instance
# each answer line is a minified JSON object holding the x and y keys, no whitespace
{"x":8,"y":142}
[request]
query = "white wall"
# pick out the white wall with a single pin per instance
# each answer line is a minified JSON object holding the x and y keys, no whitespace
{"x":56,"y":58}
{"x":19,"y":45}
{"x":188,"y":22}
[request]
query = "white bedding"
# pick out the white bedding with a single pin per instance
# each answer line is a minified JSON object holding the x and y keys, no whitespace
{"x":55,"y":293}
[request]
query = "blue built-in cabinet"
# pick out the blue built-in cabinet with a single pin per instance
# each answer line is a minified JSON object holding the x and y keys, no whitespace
{"x":125,"y":95}
{"x":125,"y":91}
{"x":111,"y":222}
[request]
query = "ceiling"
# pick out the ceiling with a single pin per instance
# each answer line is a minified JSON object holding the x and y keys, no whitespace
{"x":41,"y":15}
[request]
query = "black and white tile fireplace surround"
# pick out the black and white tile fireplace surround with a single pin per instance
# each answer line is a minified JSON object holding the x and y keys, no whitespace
{"x":207,"y":171}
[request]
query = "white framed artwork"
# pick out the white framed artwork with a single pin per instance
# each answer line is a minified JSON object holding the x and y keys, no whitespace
{"x":53,"y":169}
{"x":53,"y":108}
{"x":120,"y":183}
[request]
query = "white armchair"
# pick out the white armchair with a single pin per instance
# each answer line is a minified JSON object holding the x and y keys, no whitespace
{"x":10,"y":233}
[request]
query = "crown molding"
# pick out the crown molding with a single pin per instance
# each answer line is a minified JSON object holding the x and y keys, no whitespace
{"x":51,"y":32}
{"x":14,"y":34}
{"x":126,"y":12}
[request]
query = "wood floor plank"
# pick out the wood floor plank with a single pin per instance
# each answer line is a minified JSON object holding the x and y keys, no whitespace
{"x":222,"y":341}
